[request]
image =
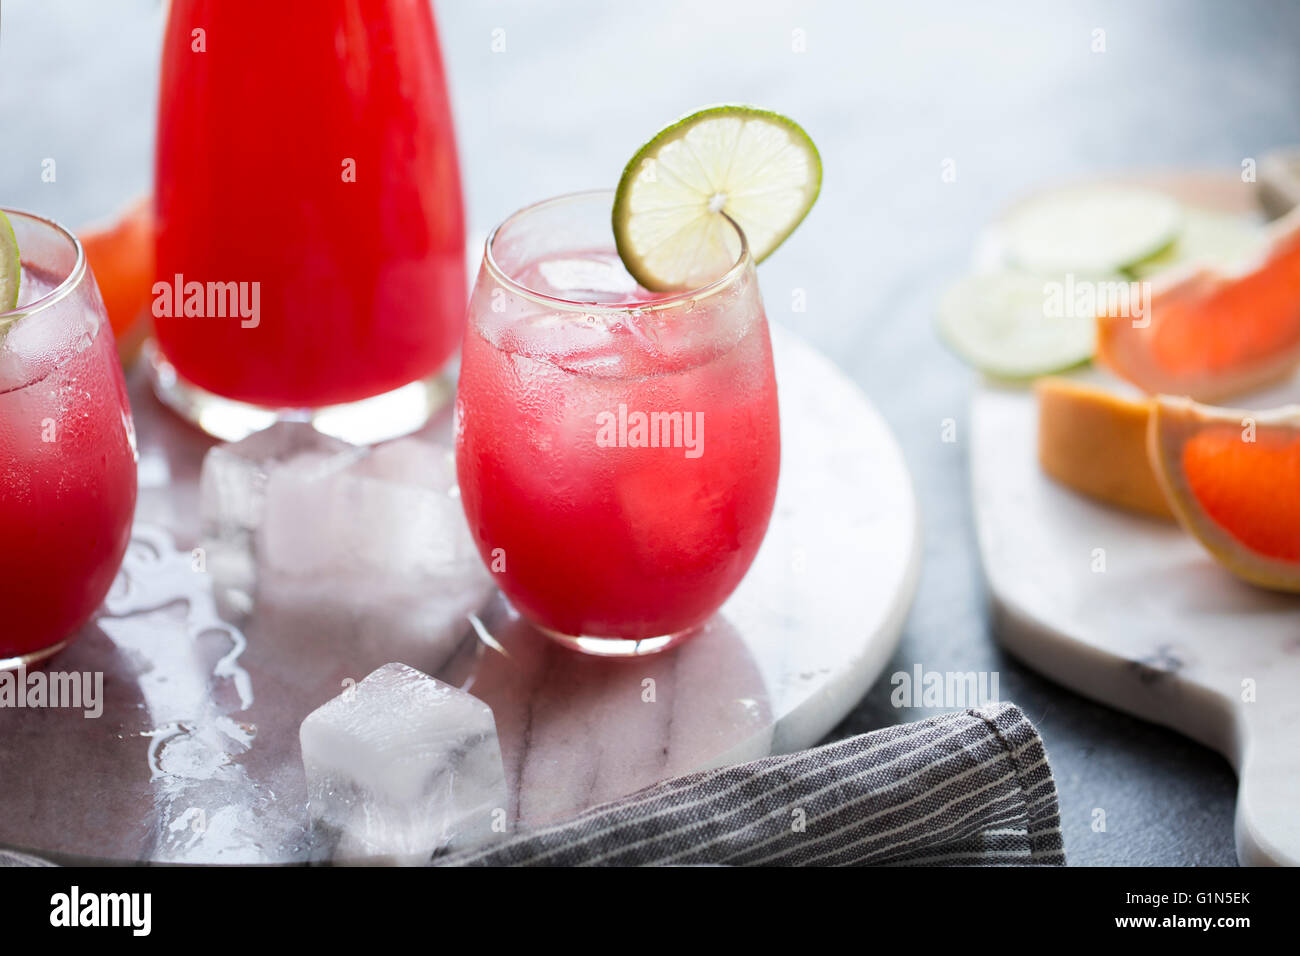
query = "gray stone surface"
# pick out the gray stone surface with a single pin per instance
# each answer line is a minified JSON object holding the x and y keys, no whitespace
{"x":1011,"y":94}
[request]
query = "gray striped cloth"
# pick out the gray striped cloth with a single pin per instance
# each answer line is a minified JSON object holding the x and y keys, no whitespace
{"x":968,"y":788}
{"x":14,"y":858}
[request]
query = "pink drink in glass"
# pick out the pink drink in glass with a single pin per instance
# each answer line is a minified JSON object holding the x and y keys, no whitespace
{"x":617,"y":452}
{"x":67,"y":449}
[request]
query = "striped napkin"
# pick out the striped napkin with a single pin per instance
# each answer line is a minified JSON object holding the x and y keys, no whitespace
{"x":968,"y":788}
{"x":14,"y":858}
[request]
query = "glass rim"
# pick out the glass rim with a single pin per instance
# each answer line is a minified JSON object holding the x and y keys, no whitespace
{"x":66,"y":286}
{"x":743,"y":261}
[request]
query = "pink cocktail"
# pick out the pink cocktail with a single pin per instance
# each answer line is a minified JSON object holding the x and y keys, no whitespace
{"x":617,"y":452}
{"x":67,"y":449}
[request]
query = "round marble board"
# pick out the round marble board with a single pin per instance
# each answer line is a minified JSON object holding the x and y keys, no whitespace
{"x":1130,"y":610}
{"x":195,"y":757}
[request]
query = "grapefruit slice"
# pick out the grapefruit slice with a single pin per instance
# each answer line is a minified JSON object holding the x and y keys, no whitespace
{"x":1095,"y":442}
{"x":121,"y":254}
{"x":1210,"y":333}
{"x":1232,"y":478}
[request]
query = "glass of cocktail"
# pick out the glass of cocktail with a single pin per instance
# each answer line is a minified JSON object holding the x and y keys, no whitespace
{"x":310,"y":231}
{"x":617,"y":449}
{"x":67,"y":448}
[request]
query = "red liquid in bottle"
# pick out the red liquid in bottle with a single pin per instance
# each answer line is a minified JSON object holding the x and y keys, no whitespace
{"x":307,"y":146}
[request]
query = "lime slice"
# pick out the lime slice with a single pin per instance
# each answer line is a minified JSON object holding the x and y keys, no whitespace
{"x":1090,"y":229}
{"x":1017,"y":325}
{"x":675,"y":196}
{"x":11,"y":272}
{"x":10,"y":267}
{"x":1214,"y":238}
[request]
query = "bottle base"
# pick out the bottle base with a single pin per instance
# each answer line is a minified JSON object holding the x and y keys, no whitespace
{"x":365,"y":422}
{"x":618,"y":647}
{"x":23,"y":661}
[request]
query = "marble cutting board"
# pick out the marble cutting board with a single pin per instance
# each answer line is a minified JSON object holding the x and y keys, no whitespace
{"x":1131,"y":611}
{"x":195,"y":758}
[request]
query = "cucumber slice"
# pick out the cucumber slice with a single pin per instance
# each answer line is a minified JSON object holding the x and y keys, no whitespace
{"x":1215,"y":238}
{"x":753,"y":166}
{"x":1090,"y":229}
{"x":1017,"y":325}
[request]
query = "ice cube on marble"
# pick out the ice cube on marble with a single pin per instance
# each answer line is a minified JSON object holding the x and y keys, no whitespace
{"x":233,"y":483}
{"x":233,"y":498}
{"x":405,"y":505}
{"x":400,"y":767}
{"x":356,"y":525}
{"x":391,"y":513}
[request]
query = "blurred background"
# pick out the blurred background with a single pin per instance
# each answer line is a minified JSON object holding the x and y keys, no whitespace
{"x":929,"y":118}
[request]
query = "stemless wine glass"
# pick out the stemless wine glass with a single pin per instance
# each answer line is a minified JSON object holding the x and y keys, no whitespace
{"x":67,"y":448}
{"x":617,"y":450}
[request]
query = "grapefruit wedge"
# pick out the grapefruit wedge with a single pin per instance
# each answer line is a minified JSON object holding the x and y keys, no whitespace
{"x":1095,"y":442}
{"x":1211,"y":333}
{"x":121,"y":255}
{"x":1232,"y":478}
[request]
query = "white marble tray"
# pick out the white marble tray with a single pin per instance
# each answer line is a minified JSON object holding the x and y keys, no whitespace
{"x":1163,"y":632}
{"x":195,"y":758}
